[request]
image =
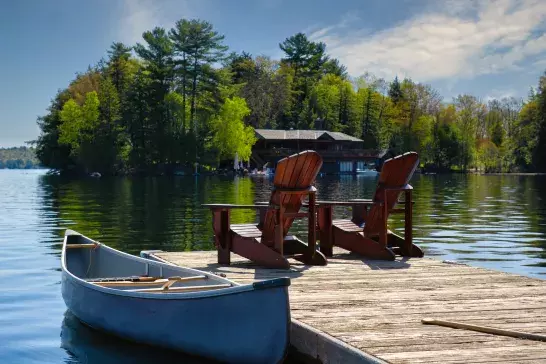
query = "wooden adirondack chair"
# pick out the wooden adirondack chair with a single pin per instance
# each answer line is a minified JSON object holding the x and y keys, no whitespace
{"x":367,"y":233}
{"x":267,"y":243}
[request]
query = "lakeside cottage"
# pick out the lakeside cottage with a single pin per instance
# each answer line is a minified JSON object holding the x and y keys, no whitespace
{"x":340,"y":152}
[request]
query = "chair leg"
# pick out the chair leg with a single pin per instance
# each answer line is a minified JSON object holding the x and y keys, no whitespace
{"x":324,"y":217}
{"x":224,"y":256}
{"x":317,"y":259}
{"x":299,"y":251}
{"x":398,"y":245}
{"x":311,"y":228}
{"x":408,"y":223}
{"x":258,"y":253}
{"x":222,"y":235}
{"x":358,"y":243}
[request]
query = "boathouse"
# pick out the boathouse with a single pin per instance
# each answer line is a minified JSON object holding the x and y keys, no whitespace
{"x":341,"y":153}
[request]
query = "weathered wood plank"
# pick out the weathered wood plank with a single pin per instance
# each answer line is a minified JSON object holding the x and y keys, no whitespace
{"x":377,"y":306}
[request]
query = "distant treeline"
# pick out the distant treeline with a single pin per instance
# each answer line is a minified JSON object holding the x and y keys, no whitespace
{"x":18,"y":158}
{"x":179,"y":97}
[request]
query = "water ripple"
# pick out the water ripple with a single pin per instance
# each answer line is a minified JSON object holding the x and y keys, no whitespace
{"x":496,"y":222}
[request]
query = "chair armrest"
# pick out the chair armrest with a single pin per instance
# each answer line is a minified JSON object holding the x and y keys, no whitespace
{"x":362,"y":201}
{"x":295,"y":190}
{"x":405,"y":187}
{"x":347,"y":203}
{"x":359,"y":201}
{"x":227,"y":206}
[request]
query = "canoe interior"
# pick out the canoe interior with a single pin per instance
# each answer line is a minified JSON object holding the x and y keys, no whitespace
{"x":103,"y":264}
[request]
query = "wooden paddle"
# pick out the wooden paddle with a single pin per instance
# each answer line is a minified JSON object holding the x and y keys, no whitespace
{"x":146,"y":281}
{"x":181,"y":289}
{"x":124,"y":279}
{"x":487,"y":330}
{"x":175,"y":279}
{"x":82,"y":246}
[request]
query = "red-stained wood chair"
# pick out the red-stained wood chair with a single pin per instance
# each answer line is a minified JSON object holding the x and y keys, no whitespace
{"x":268,"y":242}
{"x":367,"y":233}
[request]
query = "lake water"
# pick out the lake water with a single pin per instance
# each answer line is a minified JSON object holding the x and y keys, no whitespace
{"x":496,"y":222}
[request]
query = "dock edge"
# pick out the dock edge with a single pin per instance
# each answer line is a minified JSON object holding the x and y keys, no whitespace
{"x":324,"y":348}
{"x":311,"y":343}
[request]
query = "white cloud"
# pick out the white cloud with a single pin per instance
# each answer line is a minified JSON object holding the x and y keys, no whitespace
{"x":141,"y":15}
{"x":540,"y":64}
{"x":499,"y":95}
{"x":481,"y":38}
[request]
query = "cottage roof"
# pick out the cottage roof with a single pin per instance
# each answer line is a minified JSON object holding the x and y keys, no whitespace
{"x":270,"y":134}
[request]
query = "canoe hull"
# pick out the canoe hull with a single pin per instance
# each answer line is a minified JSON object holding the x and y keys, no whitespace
{"x":249,"y":326}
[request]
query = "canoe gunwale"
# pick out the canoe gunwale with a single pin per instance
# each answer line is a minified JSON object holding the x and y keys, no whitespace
{"x":226,"y":324}
{"x":235,"y":289}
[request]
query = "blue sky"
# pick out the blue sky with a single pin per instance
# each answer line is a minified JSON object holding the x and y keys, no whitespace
{"x":490,"y":49}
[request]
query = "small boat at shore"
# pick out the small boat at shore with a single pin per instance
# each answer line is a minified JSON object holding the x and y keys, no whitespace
{"x":179,"y":308}
{"x":367,"y":172}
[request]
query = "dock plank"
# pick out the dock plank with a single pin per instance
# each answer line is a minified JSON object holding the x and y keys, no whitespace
{"x":376,"y":307}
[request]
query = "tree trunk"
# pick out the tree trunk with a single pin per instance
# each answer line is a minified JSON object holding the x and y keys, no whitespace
{"x":193,"y":96}
{"x":340,"y":116}
{"x":367,"y":121}
{"x":184,"y":70}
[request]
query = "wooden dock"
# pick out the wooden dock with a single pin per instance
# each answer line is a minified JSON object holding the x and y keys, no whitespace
{"x":355,"y":310}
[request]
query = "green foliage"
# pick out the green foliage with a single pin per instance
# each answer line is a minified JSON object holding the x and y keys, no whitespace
{"x":370,"y":110}
{"x":71,"y":115}
{"x":229,"y":133}
{"x":539,"y":153}
{"x":526,"y":136}
{"x":334,"y":67}
{"x":422,"y":130}
{"x":446,"y":145}
{"x":79,"y":123}
{"x":395,"y":91}
{"x":264,"y":87}
{"x":489,"y":156}
{"x":467,"y":107}
{"x":18,"y":158}
{"x":181,"y":100}
{"x":120,"y":66}
{"x":49,"y":151}
{"x":328,"y":100}
{"x":307,"y":58}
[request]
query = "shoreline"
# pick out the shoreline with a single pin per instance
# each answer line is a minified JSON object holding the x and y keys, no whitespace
{"x":231,"y":174}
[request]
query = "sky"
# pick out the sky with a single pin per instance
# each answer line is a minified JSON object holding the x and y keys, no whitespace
{"x":488,"y":48}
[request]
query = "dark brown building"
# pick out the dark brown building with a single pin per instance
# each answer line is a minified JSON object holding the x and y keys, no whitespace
{"x":341,"y":153}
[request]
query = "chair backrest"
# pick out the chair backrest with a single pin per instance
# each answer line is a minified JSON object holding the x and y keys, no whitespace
{"x":396,"y":172}
{"x":297,"y":171}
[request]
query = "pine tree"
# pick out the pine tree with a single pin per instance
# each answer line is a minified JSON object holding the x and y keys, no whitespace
{"x":158,"y":57}
{"x":539,"y":156}
{"x":395,"y":91}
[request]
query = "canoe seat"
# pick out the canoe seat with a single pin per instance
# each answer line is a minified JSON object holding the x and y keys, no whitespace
{"x":130,"y":283}
{"x":183,"y":289}
{"x":129,"y":278}
{"x":83,"y":246}
{"x":146,"y":281}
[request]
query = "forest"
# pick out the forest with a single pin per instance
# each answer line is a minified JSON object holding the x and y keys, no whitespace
{"x":179,"y":97}
{"x":18,"y":158}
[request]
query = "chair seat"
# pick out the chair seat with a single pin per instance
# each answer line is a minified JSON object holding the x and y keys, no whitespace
{"x":347,"y":225}
{"x":246,"y":230}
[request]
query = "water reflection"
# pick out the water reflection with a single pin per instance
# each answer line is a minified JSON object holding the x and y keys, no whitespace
{"x":496,"y":221}
{"x":85,"y":346}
